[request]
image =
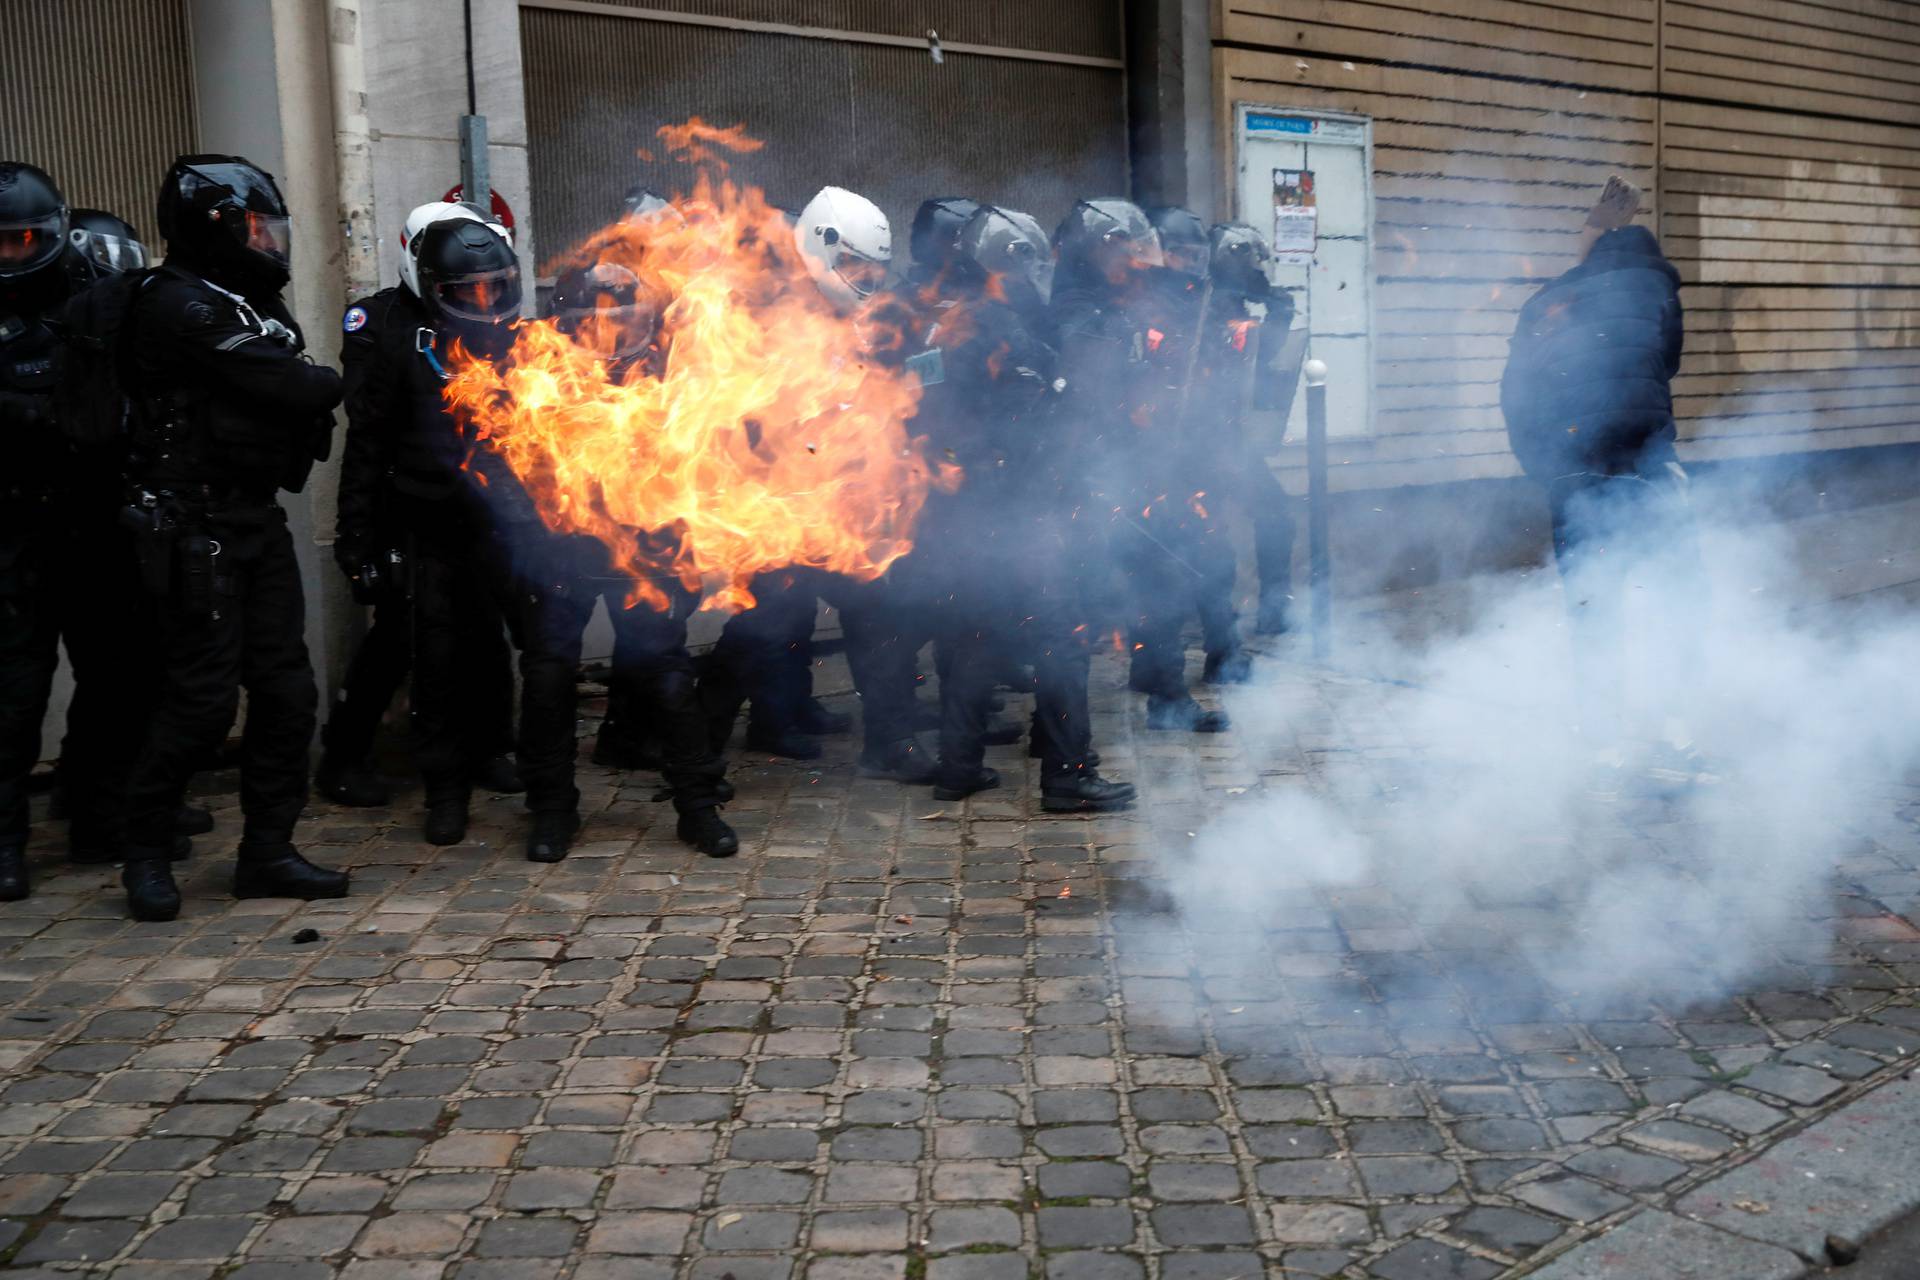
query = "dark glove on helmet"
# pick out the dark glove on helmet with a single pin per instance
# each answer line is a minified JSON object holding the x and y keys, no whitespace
{"x":934,"y":238}
{"x":1012,"y":254}
{"x":1183,"y":238}
{"x":1102,"y":244}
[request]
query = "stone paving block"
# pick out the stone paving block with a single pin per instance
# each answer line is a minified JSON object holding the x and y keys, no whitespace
{"x":1094,"y":1266}
{"x":1431,"y":1260}
{"x":1570,"y":1196}
{"x":657,"y":1233}
{"x":1734,"y":1111}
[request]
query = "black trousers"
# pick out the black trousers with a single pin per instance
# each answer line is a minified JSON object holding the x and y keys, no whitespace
{"x":536,"y":587}
{"x":886,"y":624}
{"x":381,"y":664}
{"x":1062,"y":593}
{"x":765,"y":654}
{"x":653,"y":692}
{"x":252,"y":637}
{"x":1270,"y":508}
{"x":79,"y":589}
{"x":459,"y":660}
{"x":1174,"y":571}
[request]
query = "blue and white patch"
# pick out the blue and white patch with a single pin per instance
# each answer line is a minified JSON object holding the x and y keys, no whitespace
{"x":356,"y":319}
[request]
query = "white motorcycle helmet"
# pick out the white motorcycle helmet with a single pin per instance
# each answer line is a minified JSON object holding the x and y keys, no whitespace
{"x":424,"y":216}
{"x":846,"y":244}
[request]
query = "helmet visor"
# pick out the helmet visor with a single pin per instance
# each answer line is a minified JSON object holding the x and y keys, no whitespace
{"x":270,"y":234}
{"x":485,"y":297}
{"x":110,"y":252}
{"x":862,"y":275}
{"x":611,"y":332}
{"x":31,"y":244}
{"x":1188,"y":259}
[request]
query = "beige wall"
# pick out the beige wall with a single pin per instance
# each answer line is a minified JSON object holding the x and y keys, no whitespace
{"x":1789,"y":199}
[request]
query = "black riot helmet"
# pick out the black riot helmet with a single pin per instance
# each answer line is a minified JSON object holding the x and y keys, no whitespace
{"x":1010,"y":250}
{"x":935,"y":234}
{"x":1237,"y":257}
{"x":33,"y":224}
{"x":606,"y":308}
{"x":109,"y":244}
{"x":1105,"y":242}
{"x":223,"y":217}
{"x":1183,"y":238}
{"x":469,"y":277}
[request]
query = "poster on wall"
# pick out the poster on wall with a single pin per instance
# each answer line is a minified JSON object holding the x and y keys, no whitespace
{"x":1296,"y":217}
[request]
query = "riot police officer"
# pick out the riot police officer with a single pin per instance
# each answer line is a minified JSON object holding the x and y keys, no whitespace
{"x":388,"y":470}
{"x":1123,"y":322}
{"x":765,"y":654}
{"x":229,"y":412}
{"x":47,"y":591}
{"x":605,"y":306}
{"x":470,"y":283}
{"x":1004,"y":589}
{"x":1239,"y":372}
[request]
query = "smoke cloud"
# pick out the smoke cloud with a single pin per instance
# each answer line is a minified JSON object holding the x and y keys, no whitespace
{"x":1503,"y":787}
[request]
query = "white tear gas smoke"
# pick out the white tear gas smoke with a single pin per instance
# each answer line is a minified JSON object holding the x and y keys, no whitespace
{"x":1515,"y":792}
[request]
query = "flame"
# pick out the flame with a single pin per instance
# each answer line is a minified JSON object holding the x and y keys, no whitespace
{"x":758,"y":434}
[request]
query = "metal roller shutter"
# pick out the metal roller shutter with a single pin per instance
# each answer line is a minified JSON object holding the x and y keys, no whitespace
{"x":100,"y":94}
{"x":1022,"y":129}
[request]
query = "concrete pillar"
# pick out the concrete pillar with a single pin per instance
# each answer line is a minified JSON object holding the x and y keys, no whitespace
{"x":1170,"y":103}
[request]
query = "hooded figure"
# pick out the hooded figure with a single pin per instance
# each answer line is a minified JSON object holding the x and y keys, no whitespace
{"x":1587,"y":387}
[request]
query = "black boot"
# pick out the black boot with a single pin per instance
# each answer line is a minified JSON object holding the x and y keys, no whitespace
{"x":193,"y":820}
{"x":813,"y":717}
{"x":1082,"y":791}
{"x":903,"y":761}
{"x":497,"y":775}
{"x":278,"y":871}
{"x":551,"y":836}
{"x":446,"y":822}
{"x":706,"y":831}
{"x":790,"y":743}
{"x":1184,"y":715}
{"x":1273,"y":618}
{"x":14,"y":885}
{"x":151,"y":893}
{"x":1231,"y":666}
{"x":351,"y":784}
{"x":958,"y":784}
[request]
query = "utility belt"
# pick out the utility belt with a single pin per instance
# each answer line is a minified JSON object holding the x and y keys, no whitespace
{"x":178,"y":546}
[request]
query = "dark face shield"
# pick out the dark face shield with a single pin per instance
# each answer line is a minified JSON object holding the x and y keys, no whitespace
{"x":28,"y":246}
{"x":485,"y":297}
{"x":268,"y":234}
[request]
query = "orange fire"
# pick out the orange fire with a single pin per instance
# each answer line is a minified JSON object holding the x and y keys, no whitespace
{"x":758,"y":433}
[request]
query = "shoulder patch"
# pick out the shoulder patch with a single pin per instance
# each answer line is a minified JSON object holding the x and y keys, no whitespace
{"x":356,"y":319}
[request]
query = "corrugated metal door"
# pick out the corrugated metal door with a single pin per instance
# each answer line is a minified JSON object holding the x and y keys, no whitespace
{"x":1036,"y":127}
{"x":100,"y":94}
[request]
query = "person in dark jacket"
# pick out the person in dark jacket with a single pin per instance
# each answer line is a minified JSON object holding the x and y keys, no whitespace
{"x":391,"y":480}
{"x":1588,"y":402}
{"x":230,"y":412}
{"x":65,"y":562}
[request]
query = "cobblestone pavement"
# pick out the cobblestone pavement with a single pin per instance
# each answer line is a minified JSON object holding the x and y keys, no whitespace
{"x":894,"y":1040}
